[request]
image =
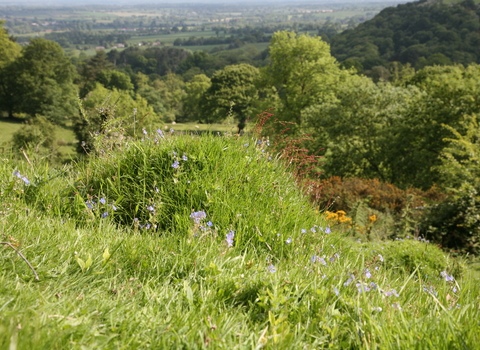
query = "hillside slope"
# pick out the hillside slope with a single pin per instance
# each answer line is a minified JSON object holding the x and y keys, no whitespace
{"x":418,"y":33}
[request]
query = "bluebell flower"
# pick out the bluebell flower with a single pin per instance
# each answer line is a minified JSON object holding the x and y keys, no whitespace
{"x":322,"y":261}
{"x":104,"y":215}
{"x":377,"y":308}
{"x":150,"y":208}
{"x":184,"y":158}
{"x":114,"y":207}
{"x":144,"y":131}
{"x":271,"y":268}
{"x":24,"y":178}
{"x":147,"y":226}
{"x":160,"y":132}
{"x":313,"y":230}
{"x":230,"y":236}
{"x":246,"y":145}
{"x":367,"y":273}
{"x":288,"y":241}
{"x":327,"y":230}
{"x":198,"y":216}
{"x":335,"y":289}
{"x":102,"y":200}
{"x":445,"y":275}
{"x":209,"y":224}
{"x":175,"y":164}
{"x":314,"y":258}
{"x":303,"y":230}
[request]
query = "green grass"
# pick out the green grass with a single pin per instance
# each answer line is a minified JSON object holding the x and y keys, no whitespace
{"x":112,"y":283}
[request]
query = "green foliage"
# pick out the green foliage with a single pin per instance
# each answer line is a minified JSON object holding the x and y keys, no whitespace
{"x":358,"y":130}
{"x":195,"y":91}
{"x":40,"y":81}
{"x":455,"y":223}
{"x":114,"y":79}
{"x":9,"y":50}
{"x":232,"y":91}
{"x":419,"y":33}
{"x":38,"y":132}
{"x":303,"y":73}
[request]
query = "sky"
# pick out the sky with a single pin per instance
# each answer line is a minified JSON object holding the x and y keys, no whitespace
{"x":139,"y":2}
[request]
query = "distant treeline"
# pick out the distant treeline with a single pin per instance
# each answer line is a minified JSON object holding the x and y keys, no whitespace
{"x":418,"y":33}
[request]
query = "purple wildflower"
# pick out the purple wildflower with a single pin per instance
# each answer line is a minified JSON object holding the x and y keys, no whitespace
{"x":184,"y":158}
{"x":303,"y":230}
{"x":335,"y":289}
{"x":104,"y":215}
{"x":327,"y":230}
{"x":160,"y":132}
{"x":175,"y":164}
{"x":198,"y":216}
{"x":380,"y":257}
{"x":367,"y":273}
{"x":209,"y":224}
{"x":230,"y":236}
{"x":102,"y":200}
{"x":445,"y":275}
{"x":288,"y":241}
{"x":151,"y":208}
{"x":271,"y":268}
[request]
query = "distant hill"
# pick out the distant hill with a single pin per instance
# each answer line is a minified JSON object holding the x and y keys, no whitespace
{"x":420,"y":33}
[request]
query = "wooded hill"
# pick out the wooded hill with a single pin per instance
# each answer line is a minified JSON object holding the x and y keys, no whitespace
{"x":419,"y":33}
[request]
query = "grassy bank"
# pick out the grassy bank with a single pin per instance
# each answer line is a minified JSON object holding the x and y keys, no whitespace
{"x":206,"y":242}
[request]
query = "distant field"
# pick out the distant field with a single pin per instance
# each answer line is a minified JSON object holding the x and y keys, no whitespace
{"x":169,"y":38}
{"x":65,"y":137}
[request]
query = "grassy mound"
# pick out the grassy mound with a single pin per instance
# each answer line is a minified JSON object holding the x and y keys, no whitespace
{"x":220,"y":251}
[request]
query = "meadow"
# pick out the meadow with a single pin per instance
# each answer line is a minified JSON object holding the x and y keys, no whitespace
{"x":193,"y":242}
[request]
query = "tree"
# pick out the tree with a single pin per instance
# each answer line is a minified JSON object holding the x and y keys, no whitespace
{"x":233,"y":90}
{"x":303,"y":72}
{"x":195,"y":90}
{"x":9,"y":51}
{"x":114,"y":79}
{"x":358,"y":129}
{"x":40,"y":81}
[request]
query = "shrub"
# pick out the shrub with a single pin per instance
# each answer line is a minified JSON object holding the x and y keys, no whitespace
{"x":455,"y":223}
{"x":38,"y":132}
